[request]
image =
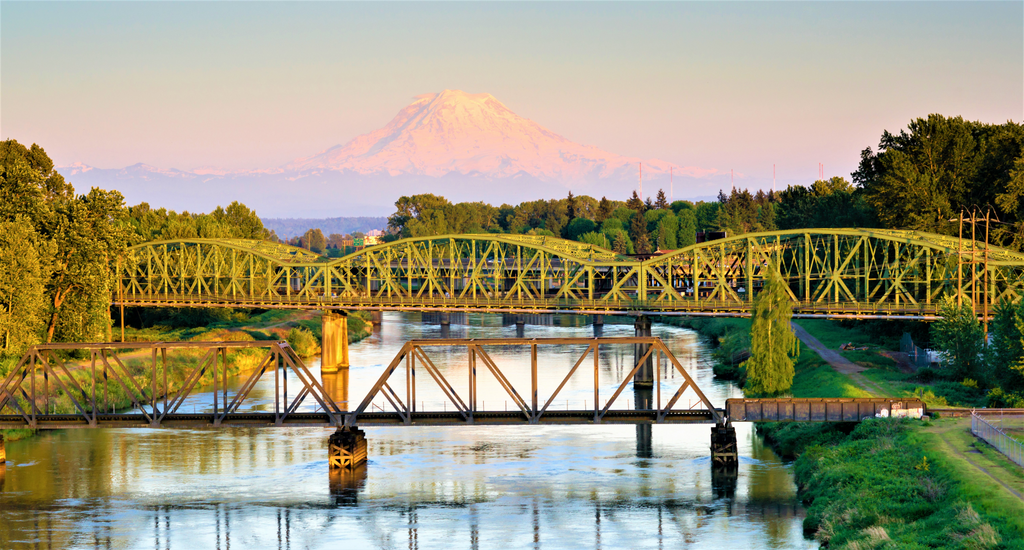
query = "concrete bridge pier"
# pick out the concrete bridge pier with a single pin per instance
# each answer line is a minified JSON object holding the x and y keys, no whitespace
{"x":723,"y":446}
{"x":3,"y":451}
{"x":346,"y":449}
{"x":520,"y":326}
{"x":333,"y":342}
{"x":598,"y":322}
{"x":376,"y":317}
{"x":645,"y":375}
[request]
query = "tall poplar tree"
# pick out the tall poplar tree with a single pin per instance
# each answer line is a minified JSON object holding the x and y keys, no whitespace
{"x":770,"y":367}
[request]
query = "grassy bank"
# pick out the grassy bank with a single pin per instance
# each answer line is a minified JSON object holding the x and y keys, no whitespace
{"x":886,"y":483}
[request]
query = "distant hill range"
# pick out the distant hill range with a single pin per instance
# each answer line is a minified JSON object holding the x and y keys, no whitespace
{"x":466,"y":147}
{"x":287,"y":228}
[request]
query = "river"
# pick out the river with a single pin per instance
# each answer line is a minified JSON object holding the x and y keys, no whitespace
{"x":451,"y":488}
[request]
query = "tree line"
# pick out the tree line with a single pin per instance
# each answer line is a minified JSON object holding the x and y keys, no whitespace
{"x":59,"y":249}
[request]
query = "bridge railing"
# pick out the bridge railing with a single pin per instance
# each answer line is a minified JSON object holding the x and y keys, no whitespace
{"x":1010,"y":447}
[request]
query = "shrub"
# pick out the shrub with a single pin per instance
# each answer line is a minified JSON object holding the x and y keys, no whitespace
{"x":303,"y":342}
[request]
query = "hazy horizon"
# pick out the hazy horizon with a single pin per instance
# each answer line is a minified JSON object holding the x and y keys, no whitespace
{"x":720,"y":87}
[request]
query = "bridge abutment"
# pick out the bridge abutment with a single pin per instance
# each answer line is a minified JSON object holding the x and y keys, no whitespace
{"x":645,"y":375}
{"x":333,"y":342}
{"x":346,"y":449}
{"x":723,"y":446}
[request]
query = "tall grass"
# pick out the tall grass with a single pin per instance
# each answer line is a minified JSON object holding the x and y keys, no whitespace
{"x":876,"y":487}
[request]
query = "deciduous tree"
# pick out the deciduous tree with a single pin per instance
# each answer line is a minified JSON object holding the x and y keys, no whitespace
{"x":770,"y":367}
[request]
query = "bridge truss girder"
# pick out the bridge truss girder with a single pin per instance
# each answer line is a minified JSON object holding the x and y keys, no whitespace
{"x":830,"y":272}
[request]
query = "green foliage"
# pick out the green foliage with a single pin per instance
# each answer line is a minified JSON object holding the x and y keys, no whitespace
{"x":314,"y":241}
{"x":303,"y":342}
{"x":827,"y":203}
{"x":743,"y":212}
{"x":923,"y":176}
{"x":770,"y":367}
{"x":959,"y":336}
{"x":638,"y":231}
{"x":687,"y":234}
{"x":578,"y":227}
{"x":24,"y":266}
{"x":596,"y":239}
{"x":237,"y":221}
{"x":424,"y":215}
{"x":876,"y":487}
{"x":68,"y":242}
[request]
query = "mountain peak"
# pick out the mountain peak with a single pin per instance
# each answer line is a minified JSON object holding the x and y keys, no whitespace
{"x":453,"y":131}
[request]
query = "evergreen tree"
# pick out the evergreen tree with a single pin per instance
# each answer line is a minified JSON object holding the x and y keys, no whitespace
{"x":620,"y":246}
{"x":604,"y":210}
{"x":770,"y":367}
{"x":638,"y":232}
{"x":634,"y":203}
{"x":571,"y":209}
{"x":661,"y":203}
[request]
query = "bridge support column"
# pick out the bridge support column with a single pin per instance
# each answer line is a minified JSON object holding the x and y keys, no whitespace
{"x":597,"y":320}
{"x":723,"y":446}
{"x":644,"y":376}
{"x":3,"y":451}
{"x":376,"y":317}
{"x":446,"y":318}
{"x":333,"y":342}
{"x":346,"y":449}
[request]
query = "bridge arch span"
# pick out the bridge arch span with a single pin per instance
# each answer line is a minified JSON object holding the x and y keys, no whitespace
{"x":830,"y":272}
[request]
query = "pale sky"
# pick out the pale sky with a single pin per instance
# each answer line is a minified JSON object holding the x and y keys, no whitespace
{"x":717,"y":85}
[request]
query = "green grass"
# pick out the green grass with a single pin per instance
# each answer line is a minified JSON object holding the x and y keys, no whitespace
{"x":885,"y":485}
{"x":816,"y":378}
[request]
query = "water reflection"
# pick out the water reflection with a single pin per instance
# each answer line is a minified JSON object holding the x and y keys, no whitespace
{"x":425,"y":487}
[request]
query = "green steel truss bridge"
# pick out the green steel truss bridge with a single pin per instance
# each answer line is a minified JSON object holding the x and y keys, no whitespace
{"x":856,"y":273}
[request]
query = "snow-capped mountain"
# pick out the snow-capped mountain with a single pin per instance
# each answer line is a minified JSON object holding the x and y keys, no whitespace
{"x":452,"y":143}
{"x":457,"y":132}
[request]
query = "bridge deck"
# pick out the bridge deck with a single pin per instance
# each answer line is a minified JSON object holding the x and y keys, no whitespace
{"x":324,"y":420}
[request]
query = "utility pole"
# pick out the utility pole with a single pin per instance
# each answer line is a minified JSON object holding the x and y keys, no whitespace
{"x":987,"y":289}
{"x":974,"y":261}
{"x":960,"y":262}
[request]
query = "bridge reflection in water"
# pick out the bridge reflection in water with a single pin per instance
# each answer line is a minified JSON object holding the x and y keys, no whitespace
{"x":257,"y":494}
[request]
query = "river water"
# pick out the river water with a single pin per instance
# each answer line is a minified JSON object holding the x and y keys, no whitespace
{"x":451,"y":488}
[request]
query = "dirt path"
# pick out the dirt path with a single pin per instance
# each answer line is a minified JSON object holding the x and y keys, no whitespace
{"x":841,"y":364}
{"x":942,"y":434}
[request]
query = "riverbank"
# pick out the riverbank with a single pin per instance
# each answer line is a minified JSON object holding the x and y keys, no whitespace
{"x":888,"y":482}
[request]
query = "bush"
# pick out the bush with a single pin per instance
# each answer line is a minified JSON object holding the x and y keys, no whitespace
{"x":303,"y":342}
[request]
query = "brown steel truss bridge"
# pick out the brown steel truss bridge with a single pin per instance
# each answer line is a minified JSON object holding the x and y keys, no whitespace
{"x":855,"y":273}
{"x":187,"y":385}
